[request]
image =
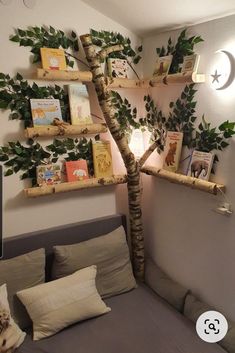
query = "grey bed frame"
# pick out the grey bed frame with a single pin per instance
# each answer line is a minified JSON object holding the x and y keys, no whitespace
{"x":62,"y":235}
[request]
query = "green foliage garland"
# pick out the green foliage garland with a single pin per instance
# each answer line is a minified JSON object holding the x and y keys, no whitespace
{"x":16,"y":156}
{"x":125,"y":114}
{"x":184,"y":46}
{"x":43,"y":37}
{"x":105,"y":39}
{"x":15,"y":94}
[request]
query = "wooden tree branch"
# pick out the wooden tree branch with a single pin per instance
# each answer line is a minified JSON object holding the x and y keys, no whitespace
{"x":105,"y":52}
{"x":132,"y":166}
{"x":147,"y":153}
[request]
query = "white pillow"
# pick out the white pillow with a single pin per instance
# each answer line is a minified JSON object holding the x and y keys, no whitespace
{"x":11,"y":335}
{"x":60,"y":303}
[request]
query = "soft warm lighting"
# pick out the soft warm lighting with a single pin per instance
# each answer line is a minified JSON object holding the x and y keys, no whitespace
{"x":223,"y":71}
{"x":137,"y":143}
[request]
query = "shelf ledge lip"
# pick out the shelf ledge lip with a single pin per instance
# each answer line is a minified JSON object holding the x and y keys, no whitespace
{"x":194,"y":183}
{"x":76,"y":185}
{"x":64,"y":75}
{"x":190,"y":77}
{"x":50,"y":130}
{"x":113,"y":82}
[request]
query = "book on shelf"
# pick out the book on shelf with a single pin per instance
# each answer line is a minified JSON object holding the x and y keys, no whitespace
{"x":162,"y":66}
{"x":172,"y":150}
{"x":190,"y":63}
{"x":200,"y":165}
{"x":118,"y":68}
{"x":102,"y":159}
{"x":53,"y":59}
{"x":79,"y":104}
{"x":48,"y":174}
{"x":77,"y":170}
{"x":44,"y":111}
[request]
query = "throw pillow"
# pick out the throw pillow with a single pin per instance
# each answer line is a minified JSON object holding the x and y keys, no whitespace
{"x":111,"y":255}
{"x":60,"y":303}
{"x":11,"y":335}
{"x":18,"y":273}
{"x":164,"y":286}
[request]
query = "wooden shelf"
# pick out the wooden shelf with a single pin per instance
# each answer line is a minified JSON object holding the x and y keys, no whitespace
{"x":191,"y":77}
{"x":112,"y":82}
{"x":50,"y":130}
{"x":59,"y":75}
{"x":185,"y":180}
{"x":76,"y":185}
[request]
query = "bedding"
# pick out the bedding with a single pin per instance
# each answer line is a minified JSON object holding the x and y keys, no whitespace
{"x":139,"y":322}
{"x":60,"y":303}
{"x":108,"y":252}
{"x":18,"y":273}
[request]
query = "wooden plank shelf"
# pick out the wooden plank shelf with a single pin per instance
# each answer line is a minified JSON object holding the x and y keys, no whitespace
{"x":77,"y":130}
{"x":112,"y":82}
{"x":185,"y":180}
{"x":61,"y":75}
{"x":73,"y":186}
{"x":191,"y":77}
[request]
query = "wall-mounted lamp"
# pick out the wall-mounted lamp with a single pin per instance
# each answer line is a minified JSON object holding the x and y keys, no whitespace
{"x":136,"y":143}
{"x":224,"y":73}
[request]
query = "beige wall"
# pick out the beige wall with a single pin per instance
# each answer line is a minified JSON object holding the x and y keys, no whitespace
{"x":192,"y":243}
{"x":25,"y":215}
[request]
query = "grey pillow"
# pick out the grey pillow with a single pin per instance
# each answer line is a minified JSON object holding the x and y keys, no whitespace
{"x":193,"y":308}
{"x":108,"y":252}
{"x":164,"y":286}
{"x":19,"y":273}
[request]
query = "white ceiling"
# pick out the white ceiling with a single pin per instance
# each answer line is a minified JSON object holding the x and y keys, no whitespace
{"x":149,"y":16}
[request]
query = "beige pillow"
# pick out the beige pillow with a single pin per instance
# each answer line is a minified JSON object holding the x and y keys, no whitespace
{"x":193,"y":308}
{"x":11,"y":335}
{"x":18,"y":273}
{"x":164,"y":286}
{"x":111,"y":255}
{"x":60,"y":303}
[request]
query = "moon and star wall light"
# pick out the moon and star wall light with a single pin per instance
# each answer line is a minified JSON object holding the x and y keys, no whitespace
{"x":224,"y":72}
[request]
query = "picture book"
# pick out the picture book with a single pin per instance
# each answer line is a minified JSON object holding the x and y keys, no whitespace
{"x":102,"y":159}
{"x":162,"y":66}
{"x":53,"y":59}
{"x":77,"y":170}
{"x":190,"y":63}
{"x":200,"y":165}
{"x":172,"y":150}
{"x":79,"y":104}
{"x":48,"y":174}
{"x":118,"y":68}
{"x":44,"y":111}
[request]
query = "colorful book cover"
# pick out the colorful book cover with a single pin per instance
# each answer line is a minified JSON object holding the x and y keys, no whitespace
{"x":162,"y":66}
{"x":190,"y":63}
{"x":48,"y":174}
{"x":102,"y":159}
{"x":79,"y":104}
{"x":118,"y":68}
{"x":44,"y":111}
{"x":200,"y":165}
{"x":77,"y":170}
{"x":172,"y":150}
{"x":53,"y":59}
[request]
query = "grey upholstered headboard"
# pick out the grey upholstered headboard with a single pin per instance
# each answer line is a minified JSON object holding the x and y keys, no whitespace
{"x":67,"y":234}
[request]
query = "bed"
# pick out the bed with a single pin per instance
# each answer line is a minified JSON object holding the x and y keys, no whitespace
{"x":140,"y":321}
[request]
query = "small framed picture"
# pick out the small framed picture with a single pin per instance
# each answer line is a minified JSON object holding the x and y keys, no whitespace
{"x":162,"y":66}
{"x":190,"y":63}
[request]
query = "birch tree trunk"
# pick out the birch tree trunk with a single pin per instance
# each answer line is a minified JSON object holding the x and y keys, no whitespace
{"x":132,"y":166}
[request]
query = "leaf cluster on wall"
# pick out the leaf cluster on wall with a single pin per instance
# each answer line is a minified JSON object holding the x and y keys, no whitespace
{"x":184,"y":46}
{"x":46,"y":37}
{"x":15,"y":95}
{"x":18,"y":157}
